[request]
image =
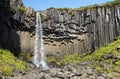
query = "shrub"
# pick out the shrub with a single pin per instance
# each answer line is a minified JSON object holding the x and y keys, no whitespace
{"x":117,"y":1}
{"x":27,"y":56}
{"x":9,"y":63}
{"x":22,"y":9}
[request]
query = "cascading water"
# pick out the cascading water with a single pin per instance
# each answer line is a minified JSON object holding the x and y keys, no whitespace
{"x":39,"y":58}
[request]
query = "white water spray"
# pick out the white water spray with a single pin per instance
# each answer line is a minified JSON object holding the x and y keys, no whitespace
{"x":39,"y":58}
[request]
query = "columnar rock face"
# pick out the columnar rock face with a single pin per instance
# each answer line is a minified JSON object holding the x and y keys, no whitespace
{"x":16,"y":26}
{"x":65,"y":31}
{"x":80,"y":31}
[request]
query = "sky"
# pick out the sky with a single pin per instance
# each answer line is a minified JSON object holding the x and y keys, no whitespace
{"x":45,"y":4}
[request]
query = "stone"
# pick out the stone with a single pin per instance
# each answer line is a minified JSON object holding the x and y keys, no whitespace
{"x":118,"y":57}
{"x":118,"y":48}
{"x":43,"y":77}
{"x":116,"y":78}
{"x":67,"y":78}
{"x":100,"y":78}
{"x":23,"y":73}
{"x":78,"y":74}
{"x":84,"y":75}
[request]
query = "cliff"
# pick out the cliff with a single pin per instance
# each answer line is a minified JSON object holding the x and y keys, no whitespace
{"x":65,"y":31}
{"x":80,"y":31}
{"x":16,"y":26}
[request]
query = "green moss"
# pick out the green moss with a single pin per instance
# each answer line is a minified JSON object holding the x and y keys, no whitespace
{"x":117,"y":38}
{"x":6,"y":69}
{"x":117,"y":63}
{"x":95,"y":58}
{"x":99,"y":69}
{"x":67,"y":59}
{"x":27,"y":56}
{"x":22,"y":9}
{"x":110,"y":3}
{"x":9,"y":63}
{"x":54,"y":60}
{"x":73,"y":58}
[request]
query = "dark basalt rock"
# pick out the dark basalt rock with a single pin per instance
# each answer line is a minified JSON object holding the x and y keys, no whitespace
{"x":96,"y":27}
{"x":88,"y":29}
{"x":15,"y":26}
{"x":0,"y":77}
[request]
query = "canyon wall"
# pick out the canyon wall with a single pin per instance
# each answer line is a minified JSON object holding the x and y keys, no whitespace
{"x":65,"y":31}
{"x":82,"y":31}
{"x":17,"y":24}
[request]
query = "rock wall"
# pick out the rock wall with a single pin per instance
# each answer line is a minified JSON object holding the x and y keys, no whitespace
{"x":69,"y":31}
{"x":65,"y":31}
{"x":17,"y":24}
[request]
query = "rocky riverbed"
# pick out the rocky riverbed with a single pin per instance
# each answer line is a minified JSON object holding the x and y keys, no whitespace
{"x":79,"y":71}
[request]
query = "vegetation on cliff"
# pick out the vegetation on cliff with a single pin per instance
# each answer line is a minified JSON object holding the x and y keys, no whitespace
{"x":110,"y":3}
{"x":21,"y":8}
{"x":9,"y":63}
{"x":104,"y":59}
{"x":82,"y":8}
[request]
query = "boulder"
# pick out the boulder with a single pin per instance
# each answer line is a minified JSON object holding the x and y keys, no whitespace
{"x":118,"y":48}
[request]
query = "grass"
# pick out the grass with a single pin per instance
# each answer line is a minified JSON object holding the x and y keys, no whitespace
{"x":110,"y":3}
{"x":106,"y":55}
{"x":9,"y":63}
{"x":26,"y":56}
{"x":21,"y":9}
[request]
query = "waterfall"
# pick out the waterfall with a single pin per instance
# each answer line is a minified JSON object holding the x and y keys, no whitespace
{"x":39,"y":58}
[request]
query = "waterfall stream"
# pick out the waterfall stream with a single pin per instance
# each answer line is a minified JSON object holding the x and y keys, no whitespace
{"x":39,"y":57}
